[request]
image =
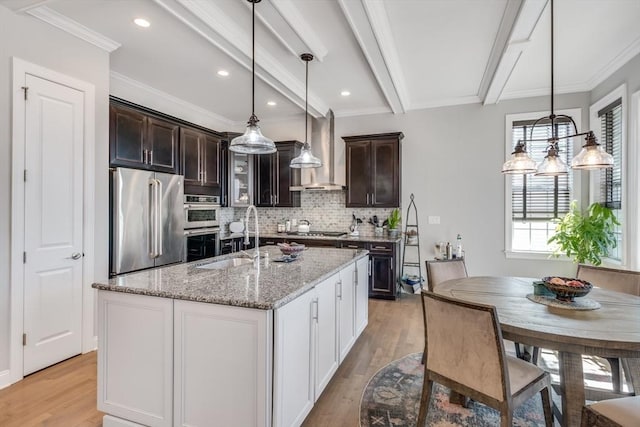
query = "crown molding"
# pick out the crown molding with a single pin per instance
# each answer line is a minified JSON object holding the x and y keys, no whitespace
{"x":446,"y":102}
{"x":546,"y":91}
{"x":615,"y":64}
{"x":133,"y":90}
{"x":360,"y":26}
{"x":72,"y":27}
{"x":362,"y":112}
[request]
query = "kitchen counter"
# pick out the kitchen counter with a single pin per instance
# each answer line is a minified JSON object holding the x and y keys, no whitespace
{"x":270,"y":287}
{"x":240,"y":346}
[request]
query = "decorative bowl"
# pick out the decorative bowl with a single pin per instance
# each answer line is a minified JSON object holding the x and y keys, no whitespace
{"x":292,"y":249}
{"x":568,"y":290}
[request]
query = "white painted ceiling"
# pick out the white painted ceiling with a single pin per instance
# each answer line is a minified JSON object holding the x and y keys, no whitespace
{"x":392,"y":55}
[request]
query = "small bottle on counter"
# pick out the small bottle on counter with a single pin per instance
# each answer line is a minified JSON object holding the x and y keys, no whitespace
{"x":287,"y":226}
{"x":449,"y":251}
{"x":459,"y":246}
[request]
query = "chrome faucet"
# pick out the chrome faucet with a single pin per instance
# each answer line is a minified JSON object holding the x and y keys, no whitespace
{"x":256,"y":252}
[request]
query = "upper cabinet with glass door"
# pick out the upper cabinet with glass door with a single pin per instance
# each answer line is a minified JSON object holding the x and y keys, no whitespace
{"x":240,"y":179}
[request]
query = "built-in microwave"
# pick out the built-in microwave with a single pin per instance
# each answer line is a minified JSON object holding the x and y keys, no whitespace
{"x":201,"y":211}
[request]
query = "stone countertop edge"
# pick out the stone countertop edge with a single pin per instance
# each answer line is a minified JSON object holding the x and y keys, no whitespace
{"x":276,"y":284}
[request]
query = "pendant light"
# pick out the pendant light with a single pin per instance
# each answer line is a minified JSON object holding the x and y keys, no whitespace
{"x":592,"y":155}
{"x":306,"y":159}
{"x":252,"y":141}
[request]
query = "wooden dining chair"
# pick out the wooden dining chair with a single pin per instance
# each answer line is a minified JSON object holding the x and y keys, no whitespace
{"x":439,"y":271}
{"x":625,"y":281}
{"x":465,"y":352}
{"x":620,"y":412}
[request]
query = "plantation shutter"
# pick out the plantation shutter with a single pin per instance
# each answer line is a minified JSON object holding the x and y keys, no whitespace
{"x":611,"y":140}
{"x":541,"y":198}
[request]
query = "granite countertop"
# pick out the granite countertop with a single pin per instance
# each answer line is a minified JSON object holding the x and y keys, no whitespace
{"x":271,"y":286}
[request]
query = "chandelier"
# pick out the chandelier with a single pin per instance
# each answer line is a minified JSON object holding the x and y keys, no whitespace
{"x":592,"y":156}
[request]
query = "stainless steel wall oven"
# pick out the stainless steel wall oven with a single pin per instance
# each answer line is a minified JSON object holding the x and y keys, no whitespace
{"x":201,"y":211}
{"x":201,"y":226}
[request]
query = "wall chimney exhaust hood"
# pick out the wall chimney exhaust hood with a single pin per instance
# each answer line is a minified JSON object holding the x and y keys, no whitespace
{"x":323,"y":143}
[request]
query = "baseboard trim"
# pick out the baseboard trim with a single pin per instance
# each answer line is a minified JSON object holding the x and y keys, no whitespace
{"x":5,"y":379}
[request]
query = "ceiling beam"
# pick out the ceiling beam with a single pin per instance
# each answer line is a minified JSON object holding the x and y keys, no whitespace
{"x":516,"y":27}
{"x":308,"y":40}
{"x":218,"y":28}
{"x":378,"y":48}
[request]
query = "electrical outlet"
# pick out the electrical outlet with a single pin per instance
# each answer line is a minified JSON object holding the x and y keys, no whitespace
{"x":434,"y":219}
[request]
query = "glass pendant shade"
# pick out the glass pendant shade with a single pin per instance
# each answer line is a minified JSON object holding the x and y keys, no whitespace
{"x":306,"y":159}
{"x":252,"y":141}
{"x":520,"y":162}
{"x":552,"y":164}
{"x":592,"y":156}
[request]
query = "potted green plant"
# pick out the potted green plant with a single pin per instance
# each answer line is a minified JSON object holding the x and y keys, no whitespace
{"x":393,"y":222}
{"x":586,"y":238}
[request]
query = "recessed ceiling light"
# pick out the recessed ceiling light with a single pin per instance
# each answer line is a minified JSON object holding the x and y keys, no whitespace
{"x":223,"y":73}
{"x":345,"y":93}
{"x":271,"y":103}
{"x":141,"y":22}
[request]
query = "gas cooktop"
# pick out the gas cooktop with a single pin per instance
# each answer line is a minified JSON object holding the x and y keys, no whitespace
{"x":318,"y":233}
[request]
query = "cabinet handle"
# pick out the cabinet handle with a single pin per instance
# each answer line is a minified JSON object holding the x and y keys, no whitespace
{"x":367,"y":198}
{"x":315,"y":309}
{"x":144,"y":156}
{"x":352,"y":246}
{"x":150,"y":157}
{"x":339,"y":289}
{"x":369,"y":268}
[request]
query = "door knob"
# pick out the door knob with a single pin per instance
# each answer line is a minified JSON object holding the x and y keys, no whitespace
{"x":75,"y":255}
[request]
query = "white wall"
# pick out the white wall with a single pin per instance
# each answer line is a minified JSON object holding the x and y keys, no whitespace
{"x":43,"y":45}
{"x":451,"y":161}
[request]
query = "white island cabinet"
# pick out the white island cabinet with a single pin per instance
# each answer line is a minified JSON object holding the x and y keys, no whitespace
{"x":168,"y":360}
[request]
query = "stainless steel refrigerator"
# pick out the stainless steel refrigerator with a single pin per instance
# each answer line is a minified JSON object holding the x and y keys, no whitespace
{"x":147,"y":219}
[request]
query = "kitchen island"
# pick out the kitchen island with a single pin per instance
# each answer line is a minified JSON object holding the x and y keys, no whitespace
{"x":207,"y":344}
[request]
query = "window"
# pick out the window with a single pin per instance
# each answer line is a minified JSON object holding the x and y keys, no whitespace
{"x":534,"y":202}
{"x":611,"y":179}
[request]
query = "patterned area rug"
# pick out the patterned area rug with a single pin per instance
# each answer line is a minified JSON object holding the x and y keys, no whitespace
{"x":392,"y":399}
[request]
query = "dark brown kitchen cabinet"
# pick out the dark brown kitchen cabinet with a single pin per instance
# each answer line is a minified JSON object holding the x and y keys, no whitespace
{"x":200,"y":152}
{"x":273,"y":176}
{"x":142,"y":141}
{"x":373,"y":170}
{"x":384,"y":260}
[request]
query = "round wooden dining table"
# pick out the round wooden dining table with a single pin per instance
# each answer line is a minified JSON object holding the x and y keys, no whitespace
{"x":613,"y":330}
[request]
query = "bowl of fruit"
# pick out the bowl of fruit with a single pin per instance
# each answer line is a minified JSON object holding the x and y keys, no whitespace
{"x":292,"y":250}
{"x":566,"y":288}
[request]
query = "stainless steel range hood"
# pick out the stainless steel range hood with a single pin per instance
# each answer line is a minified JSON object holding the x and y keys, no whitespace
{"x":323,"y":147}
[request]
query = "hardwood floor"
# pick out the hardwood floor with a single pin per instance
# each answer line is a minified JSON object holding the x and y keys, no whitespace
{"x":64,"y":395}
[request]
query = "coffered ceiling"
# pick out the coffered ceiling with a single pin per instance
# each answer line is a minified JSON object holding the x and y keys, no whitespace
{"x":391,"y":55}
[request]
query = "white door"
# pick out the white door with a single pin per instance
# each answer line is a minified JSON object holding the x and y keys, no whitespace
{"x":54,"y":121}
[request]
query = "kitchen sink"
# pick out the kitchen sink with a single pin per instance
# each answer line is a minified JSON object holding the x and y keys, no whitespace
{"x":223,"y":264}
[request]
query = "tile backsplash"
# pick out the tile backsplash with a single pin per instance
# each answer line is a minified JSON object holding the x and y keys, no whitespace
{"x":325,"y":210}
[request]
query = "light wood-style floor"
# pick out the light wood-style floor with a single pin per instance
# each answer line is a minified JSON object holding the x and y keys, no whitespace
{"x":64,"y":395}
